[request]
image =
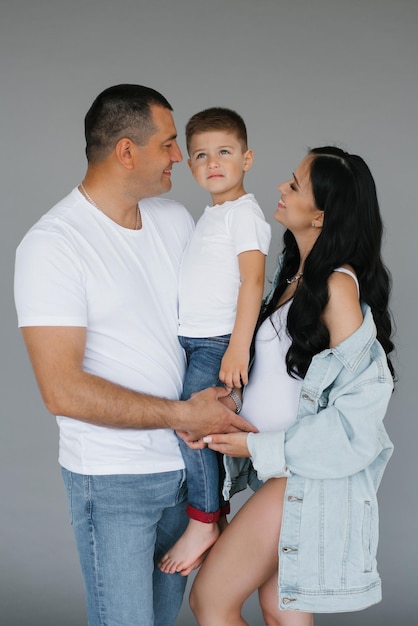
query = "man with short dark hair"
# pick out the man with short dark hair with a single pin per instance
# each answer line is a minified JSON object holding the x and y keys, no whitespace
{"x":96,"y":295}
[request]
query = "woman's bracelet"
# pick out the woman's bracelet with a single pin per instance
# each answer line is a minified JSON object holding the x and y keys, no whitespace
{"x":236,"y":398}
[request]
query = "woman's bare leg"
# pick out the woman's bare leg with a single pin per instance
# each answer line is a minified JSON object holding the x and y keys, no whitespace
{"x":242,"y":559}
{"x":269,"y":605}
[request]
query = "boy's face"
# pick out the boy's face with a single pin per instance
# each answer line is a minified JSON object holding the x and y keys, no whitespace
{"x":218,"y":162}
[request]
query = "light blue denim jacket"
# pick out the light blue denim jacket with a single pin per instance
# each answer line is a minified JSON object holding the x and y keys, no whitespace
{"x":333,"y":456}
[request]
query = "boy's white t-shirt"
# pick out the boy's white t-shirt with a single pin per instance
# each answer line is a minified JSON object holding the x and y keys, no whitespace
{"x":76,"y":267}
{"x":209,"y":277}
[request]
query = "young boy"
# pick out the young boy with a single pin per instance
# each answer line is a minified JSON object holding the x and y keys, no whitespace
{"x":221,"y":288}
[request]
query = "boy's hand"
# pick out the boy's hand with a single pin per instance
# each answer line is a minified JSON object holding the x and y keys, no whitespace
{"x":234,"y":367}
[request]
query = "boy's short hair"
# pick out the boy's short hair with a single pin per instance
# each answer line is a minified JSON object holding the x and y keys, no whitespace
{"x":217,"y":118}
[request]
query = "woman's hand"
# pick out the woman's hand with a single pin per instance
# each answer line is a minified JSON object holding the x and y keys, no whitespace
{"x":232,"y":444}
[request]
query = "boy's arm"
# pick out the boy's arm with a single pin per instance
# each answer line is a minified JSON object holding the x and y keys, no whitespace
{"x":234,"y":366}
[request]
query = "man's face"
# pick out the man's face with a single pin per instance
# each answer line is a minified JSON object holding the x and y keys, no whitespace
{"x":155,"y":159}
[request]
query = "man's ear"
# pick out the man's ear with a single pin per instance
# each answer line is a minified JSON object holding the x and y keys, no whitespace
{"x":248,"y":160}
{"x":125,"y":152}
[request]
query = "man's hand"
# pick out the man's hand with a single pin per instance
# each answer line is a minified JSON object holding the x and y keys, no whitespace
{"x":207,"y":414}
{"x":198,"y":444}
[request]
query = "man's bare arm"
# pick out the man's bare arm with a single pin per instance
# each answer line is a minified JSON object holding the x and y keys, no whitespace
{"x":56,"y":354}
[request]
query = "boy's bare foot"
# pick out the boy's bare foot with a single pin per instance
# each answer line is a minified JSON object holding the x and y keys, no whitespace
{"x":196,"y":564}
{"x":186,"y":552}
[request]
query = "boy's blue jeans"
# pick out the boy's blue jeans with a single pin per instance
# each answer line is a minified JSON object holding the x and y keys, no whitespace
{"x":204,"y":467}
{"x":123,"y":525}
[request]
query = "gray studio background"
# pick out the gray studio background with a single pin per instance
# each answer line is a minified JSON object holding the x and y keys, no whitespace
{"x":302,"y":73}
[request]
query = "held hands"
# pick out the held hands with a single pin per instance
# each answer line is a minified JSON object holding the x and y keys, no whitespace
{"x":206,"y":412}
{"x":234,"y":367}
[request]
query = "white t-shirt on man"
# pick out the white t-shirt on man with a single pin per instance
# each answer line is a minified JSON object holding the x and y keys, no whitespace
{"x":76,"y":267}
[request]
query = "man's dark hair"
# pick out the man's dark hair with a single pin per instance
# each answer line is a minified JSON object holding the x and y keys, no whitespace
{"x":120,"y":111}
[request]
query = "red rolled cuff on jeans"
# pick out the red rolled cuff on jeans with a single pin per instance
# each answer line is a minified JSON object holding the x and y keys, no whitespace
{"x":207,"y":518}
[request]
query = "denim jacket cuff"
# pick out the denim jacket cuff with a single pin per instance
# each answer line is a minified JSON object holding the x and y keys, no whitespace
{"x":267,"y":454}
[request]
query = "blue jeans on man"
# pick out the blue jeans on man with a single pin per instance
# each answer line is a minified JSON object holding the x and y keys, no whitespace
{"x":123,"y":525}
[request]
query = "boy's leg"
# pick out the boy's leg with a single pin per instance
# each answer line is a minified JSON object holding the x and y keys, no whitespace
{"x":202,"y":471}
{"x":205,"y":470}
{"x":122,"y":524}
{"x":203,"y":512}
{"x":204,"y":356}
{"x":243,"y":559}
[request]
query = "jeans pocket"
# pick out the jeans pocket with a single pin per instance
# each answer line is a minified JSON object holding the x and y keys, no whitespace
{"x":68,"y":483}
{"x":367,"y":536}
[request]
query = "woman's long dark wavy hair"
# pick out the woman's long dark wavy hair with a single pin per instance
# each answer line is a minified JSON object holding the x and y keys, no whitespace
{"x":344,"y":189}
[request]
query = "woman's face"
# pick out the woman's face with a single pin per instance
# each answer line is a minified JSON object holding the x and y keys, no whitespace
{"x":297,"y":210}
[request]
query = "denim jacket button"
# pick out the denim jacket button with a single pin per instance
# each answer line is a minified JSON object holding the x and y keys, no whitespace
{"x":287,"y":600}
{"x":294,"y":499}
{"x":306,"y":397}
{"x":288,"y":549}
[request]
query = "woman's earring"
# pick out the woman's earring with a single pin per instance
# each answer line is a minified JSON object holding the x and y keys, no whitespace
{"x":313,"y":224}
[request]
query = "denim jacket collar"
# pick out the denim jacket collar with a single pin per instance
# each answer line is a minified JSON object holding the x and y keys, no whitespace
{"x":351,"y":351}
